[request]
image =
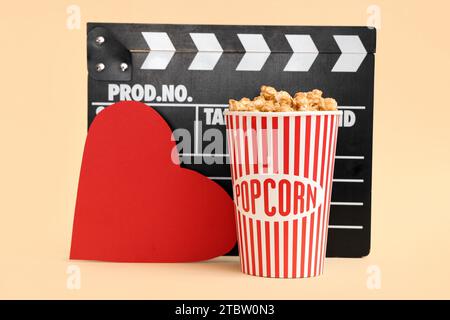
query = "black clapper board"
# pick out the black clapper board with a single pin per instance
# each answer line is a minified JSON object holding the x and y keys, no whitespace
{"x":188,"y":73}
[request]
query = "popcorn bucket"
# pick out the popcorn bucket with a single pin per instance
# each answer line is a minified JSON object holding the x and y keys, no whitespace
{"x":282,"y":170}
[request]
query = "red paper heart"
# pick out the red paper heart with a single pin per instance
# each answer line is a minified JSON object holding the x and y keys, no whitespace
{"x":135,"y":204}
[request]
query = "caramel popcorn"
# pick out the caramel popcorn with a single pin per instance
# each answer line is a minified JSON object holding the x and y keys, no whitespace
{"x":330,"y":104}
{"x":268,"y":92}
{"x":268,"y":106}
{"x":282,"y":108}
{"x":259,"y":102}
{"x":301,"y":102}
{"x":271,"y":100}
{"x":283,"y":98}
{"x":245,"y":104}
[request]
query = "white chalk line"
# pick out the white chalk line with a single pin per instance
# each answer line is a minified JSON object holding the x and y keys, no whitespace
{"x":334,"y":226}
{"x":217,"y":105}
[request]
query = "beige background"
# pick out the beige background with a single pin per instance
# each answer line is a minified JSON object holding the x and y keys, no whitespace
{"x":43,"y":127}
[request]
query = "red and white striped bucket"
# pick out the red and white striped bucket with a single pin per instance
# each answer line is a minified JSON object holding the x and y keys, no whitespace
{"x":282,"y":169}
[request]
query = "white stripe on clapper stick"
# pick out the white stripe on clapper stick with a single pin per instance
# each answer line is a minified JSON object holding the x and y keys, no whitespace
{"x":352,"y":53}
{"x":304,"y":52}
{"x":209,"y":51}
{"x":256,"y":52}
{"x":161,"y":50}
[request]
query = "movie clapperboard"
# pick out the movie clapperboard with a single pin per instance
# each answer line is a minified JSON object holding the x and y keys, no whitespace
{"x":188,"y":73}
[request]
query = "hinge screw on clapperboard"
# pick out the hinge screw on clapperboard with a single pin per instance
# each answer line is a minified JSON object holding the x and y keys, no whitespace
{"x":100,"y":40}
{"x":100,"y":67}
{"x":123,"y":66}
